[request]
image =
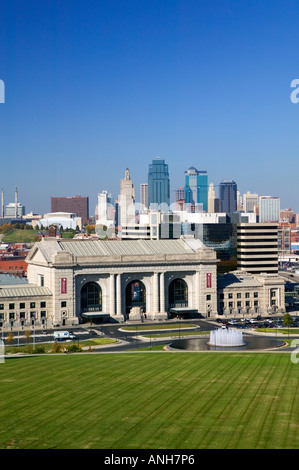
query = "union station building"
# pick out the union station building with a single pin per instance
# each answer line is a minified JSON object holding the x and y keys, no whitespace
{"x":78,"y":281}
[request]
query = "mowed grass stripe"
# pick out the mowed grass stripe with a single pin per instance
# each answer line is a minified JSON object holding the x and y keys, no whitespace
{"x":140,"y":400}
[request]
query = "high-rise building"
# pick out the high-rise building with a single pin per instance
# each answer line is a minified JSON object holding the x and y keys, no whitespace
{"x":126,"y":202}
{"x":158,"y":185}
{"x":196,"y":187}
{"x":105,"y":214}
{"x":144,"y":194}
{"x":77,"y":204}
{"x":269,"y":209}
{"x":250,"y":201}
{"x":228,"y":196}
{"x":211,"y":198}
{"x":257,"y":247}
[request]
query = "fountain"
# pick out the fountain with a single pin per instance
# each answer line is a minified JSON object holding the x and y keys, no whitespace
{"x":226,"y":338}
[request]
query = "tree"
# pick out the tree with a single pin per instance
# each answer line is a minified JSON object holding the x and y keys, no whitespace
{"x":27,"y":335}
{"x":287,"y":320}
{"x":9,"y":338}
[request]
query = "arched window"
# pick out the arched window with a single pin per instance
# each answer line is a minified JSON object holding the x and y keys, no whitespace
{"x":178,"y":293}
{"x":135,"y":295}
{"x":91,"y":297}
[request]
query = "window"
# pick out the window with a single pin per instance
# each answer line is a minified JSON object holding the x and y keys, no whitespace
{"x":239,"y":295}
{"x":230,"y":304}
{"x":247,"y":295}
{"x":273,"y":293}
{"x":1,"y":306}
{"x":32,"y":315}
{"x":208,"y":297}
{"x":43,"y":314}
{"x":63,"y":303}
{"x":43,"y":305}
{"x":11,"y":316}
{"x":32,"y":304}
{"x":256,"y":303}
{"x":255,"y":294}
{"x":239,"y":304}
{"x":22,"y":305}
{"x":22,"y":315}
{"x":230,"y":295}
{"x":247,"y":303}
{"x":11,"y":306}
{"x":273,"y":302}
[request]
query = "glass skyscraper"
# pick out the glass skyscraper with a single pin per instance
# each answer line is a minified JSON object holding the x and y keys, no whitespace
{"x":158,"y":184}
{"x":228,"y":196}
{"x":196,"y":187}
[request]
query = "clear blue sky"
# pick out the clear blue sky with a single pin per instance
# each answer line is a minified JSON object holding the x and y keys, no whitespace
{"x":93,"y":87}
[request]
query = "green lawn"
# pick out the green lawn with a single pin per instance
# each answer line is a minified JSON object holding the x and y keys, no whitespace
{"x":20,"y":236}
{"x":150,"y":400}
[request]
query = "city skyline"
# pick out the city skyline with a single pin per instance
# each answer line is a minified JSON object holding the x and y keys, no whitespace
{"x":92,"y":90}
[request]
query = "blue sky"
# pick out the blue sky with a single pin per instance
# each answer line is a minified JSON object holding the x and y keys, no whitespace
{"x":93,"y":87}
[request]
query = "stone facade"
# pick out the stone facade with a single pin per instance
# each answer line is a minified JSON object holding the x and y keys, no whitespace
{"x":83,"y":280}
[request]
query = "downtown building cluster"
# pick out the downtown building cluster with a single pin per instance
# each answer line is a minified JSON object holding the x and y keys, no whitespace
{"x":203,"y":254}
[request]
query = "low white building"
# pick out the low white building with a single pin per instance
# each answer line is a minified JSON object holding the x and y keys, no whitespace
{"x":64,"y":220}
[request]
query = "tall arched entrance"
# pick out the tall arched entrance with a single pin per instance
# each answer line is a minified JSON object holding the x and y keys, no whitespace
{"x":135,"y":296}
{"x":91,"y":300}
{"x":178,"y":294}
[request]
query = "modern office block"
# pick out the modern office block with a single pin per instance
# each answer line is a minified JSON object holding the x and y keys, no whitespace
{"x":257,"y":248}
{"x":76,"y":204}
{"x":269,"y":209}
{"x":228,"y":196}
{"x":158,"y":185}
{"x":196,"y":187}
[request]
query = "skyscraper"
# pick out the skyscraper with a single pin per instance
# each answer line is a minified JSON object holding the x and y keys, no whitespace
{"x":144,"y":194}
{"x":158,"y":184}
{"x":269,"y":209}
{"x":126,"y":201}
{"x":228,"y":196}
{"x":211,"y":198}
{"x":250,"y":201}
{"x":196,"y":187}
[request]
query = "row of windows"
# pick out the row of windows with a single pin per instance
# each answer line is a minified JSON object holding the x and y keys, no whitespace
{"x":22,"y":305}
{"x":240,"y":304}
{"x":22,"y":315}
{"x":230,"y":295}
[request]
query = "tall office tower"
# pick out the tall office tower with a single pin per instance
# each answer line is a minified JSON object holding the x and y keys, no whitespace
{"x":144,"y":195}
{"x":239,"y":201}
{"x":76,"y":204}
{"x":158,"y":185}
{"x":211,"y":198}
{"x":126,"y":201}
{"x":228,"y":196}
{"x":196,"y":187}
{"x":250,"y":201}
{"x":105,"y":209}
{"x":257,"y":248}
{"x":269,"y":209}
{"x":179,"y":194}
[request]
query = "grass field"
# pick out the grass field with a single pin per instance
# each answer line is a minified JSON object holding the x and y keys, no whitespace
{"x":150,"y":401}
{"x":20,"y":236}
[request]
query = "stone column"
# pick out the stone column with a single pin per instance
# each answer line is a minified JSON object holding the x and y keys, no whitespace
{"x":197,"y":291}
{"x":162,"y":293}
{"x":155,"y":294}
{"x":118,"y":294}
{"x":112,"y":295}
